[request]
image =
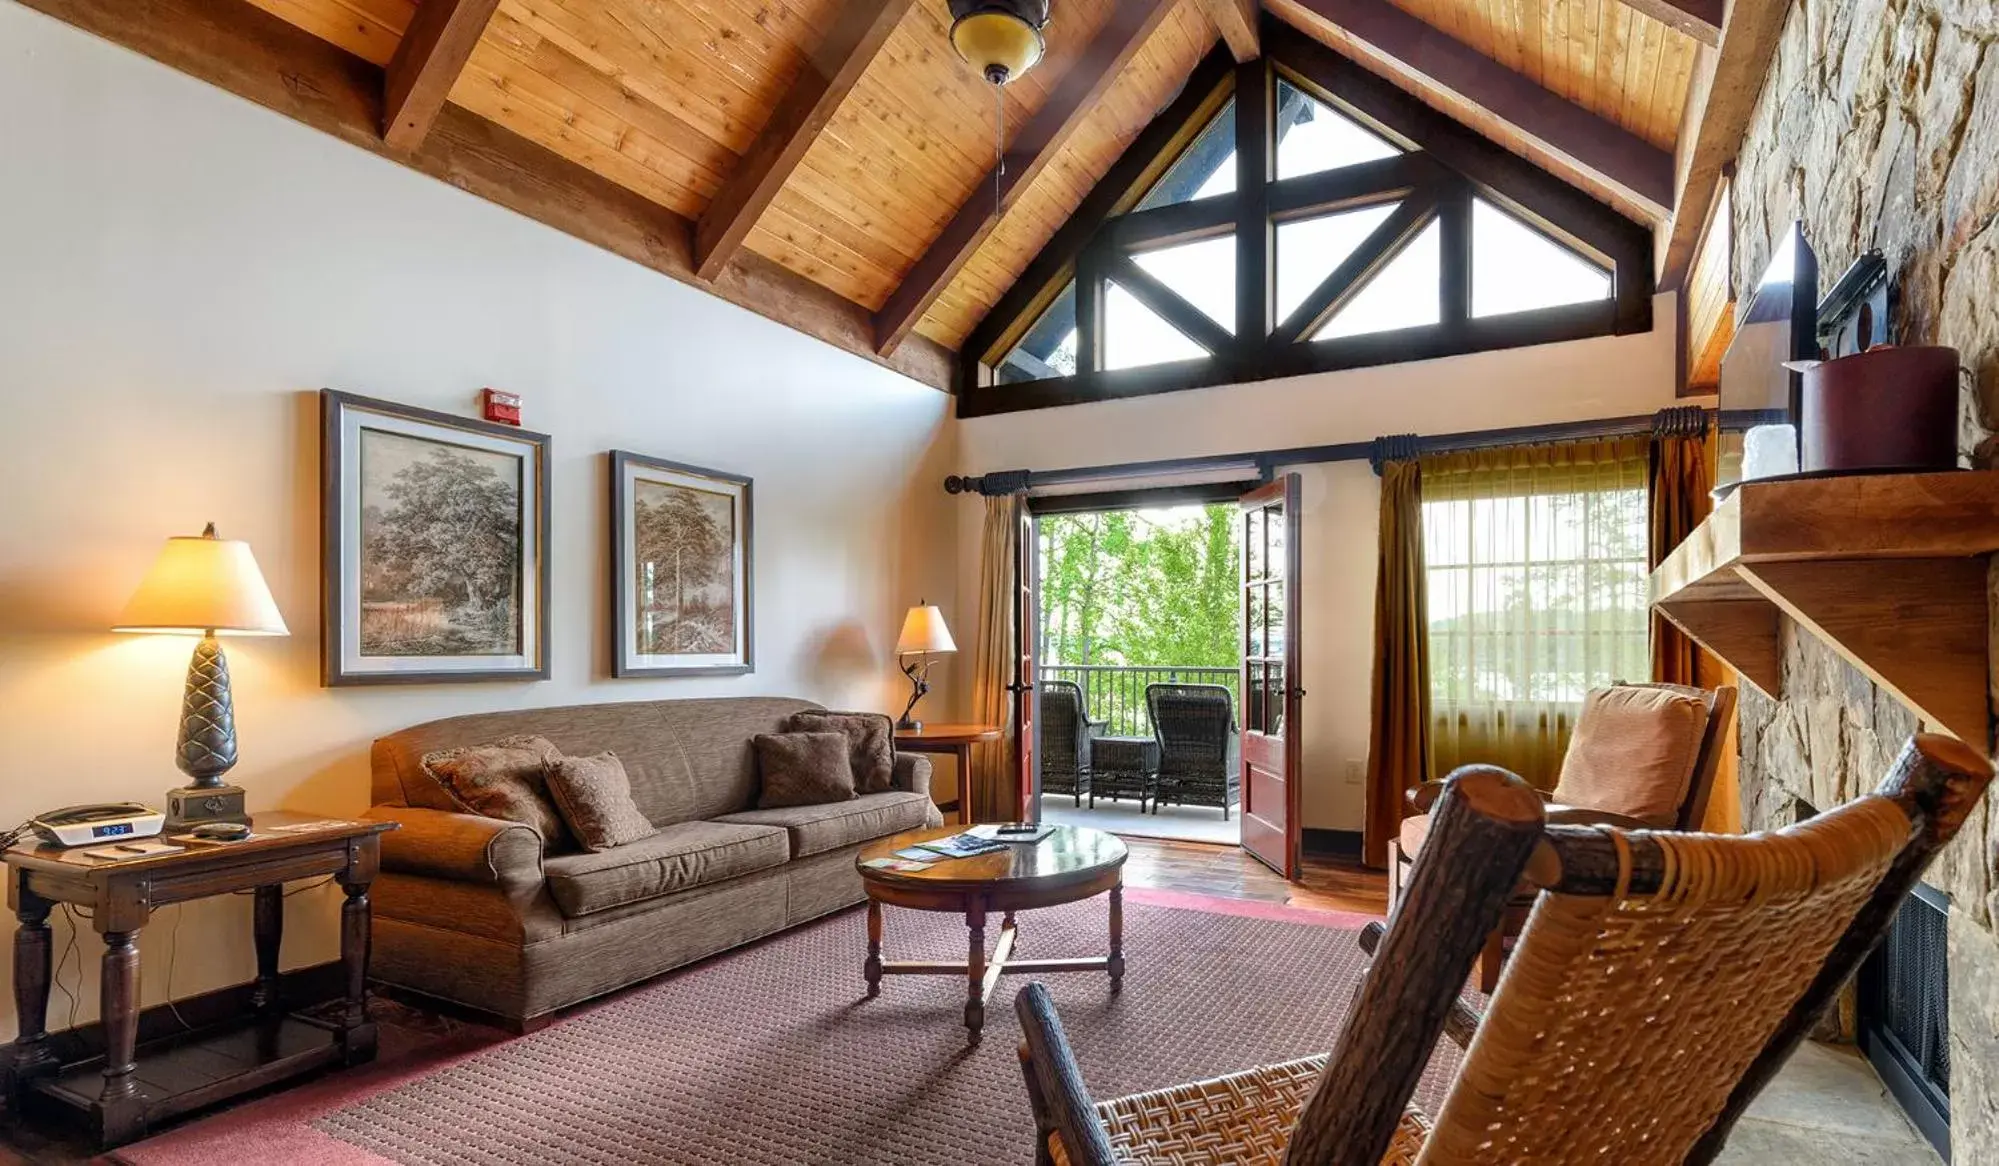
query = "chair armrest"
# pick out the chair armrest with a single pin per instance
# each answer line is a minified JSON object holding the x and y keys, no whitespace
{"x":461,"y":847}
{"x":1055,"y":1084}
{"x":912,"y":773}
{"x":1424,"y":797}
{"x":1561,"y":815}
{"x":1462,"y":1020}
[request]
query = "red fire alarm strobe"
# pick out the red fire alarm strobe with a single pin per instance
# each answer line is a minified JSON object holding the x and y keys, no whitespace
{"x":504,"y":408}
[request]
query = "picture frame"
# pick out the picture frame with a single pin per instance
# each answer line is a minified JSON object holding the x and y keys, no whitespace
{"x":683,"y":582}
{"x":399,"y":485}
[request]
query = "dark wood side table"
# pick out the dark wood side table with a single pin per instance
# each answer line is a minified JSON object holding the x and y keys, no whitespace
{"x":129,"y":1089}
{"x":956,"y":740}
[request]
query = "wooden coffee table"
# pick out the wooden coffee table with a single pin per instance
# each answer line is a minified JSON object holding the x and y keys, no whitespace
{"x":1071,"y":864}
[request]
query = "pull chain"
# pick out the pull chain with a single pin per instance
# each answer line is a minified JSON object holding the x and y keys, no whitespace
{"x":999,"y":145}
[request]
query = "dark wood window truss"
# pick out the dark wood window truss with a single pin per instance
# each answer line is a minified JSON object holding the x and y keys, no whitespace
{"x":1411,"y":204}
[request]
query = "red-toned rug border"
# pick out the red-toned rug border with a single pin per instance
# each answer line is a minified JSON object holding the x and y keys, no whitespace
{"x":1249,"y":908}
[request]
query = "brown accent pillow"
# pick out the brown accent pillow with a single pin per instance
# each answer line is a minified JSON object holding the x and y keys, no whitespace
{"x":870,"y":740}
{"x":595,"y":798}
{"x":803,"y":769}
{"x":507,"y":779}
{"x":1633,"y":753}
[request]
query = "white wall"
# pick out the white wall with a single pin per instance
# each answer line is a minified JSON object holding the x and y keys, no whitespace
{"x":1578,"y":380}
{"x":180,"y":271}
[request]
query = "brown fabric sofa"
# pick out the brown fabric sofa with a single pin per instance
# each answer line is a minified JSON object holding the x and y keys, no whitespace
{"x":473,"y":910}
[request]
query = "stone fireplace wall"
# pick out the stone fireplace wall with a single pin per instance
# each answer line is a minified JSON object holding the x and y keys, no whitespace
{"x":1879,"y":127}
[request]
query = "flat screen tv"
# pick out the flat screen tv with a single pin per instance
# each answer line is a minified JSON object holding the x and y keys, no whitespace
{"x":1758,"y":399}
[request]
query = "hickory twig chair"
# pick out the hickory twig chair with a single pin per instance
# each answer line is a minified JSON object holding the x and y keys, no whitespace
{"x":1600,"y":777}
{"x":1663,"y":978}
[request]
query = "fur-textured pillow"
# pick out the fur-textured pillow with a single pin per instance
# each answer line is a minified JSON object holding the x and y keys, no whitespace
{"x":803,"y":769}
{"x":870,"y":741}
{"x":595,"y":797}
{"x":507,"y":779}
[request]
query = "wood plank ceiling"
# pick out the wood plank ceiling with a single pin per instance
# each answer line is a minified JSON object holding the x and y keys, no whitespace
{"x":665,"y":97}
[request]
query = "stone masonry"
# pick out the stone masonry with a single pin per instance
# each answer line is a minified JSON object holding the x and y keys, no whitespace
{"x":1879,"y":127}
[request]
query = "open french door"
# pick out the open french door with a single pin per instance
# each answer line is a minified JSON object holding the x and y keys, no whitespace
{"x":1270,"y":678}
{"x":1027,"y":633}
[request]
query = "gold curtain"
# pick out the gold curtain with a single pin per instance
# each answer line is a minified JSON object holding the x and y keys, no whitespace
{"x":1398,"y":751}
{"x":1537,"y":586}
{"x":1682,"y":481}
{"x":991,"y":788}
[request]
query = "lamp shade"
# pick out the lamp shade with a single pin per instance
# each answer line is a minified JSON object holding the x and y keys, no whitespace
{"x":999,"y":38}
{"x":923,"y":630}
{"x":201,"y":583}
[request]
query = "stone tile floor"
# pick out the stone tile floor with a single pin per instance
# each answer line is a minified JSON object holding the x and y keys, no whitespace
{"x":1826,"y":1107}
{"x":1187,"y":823}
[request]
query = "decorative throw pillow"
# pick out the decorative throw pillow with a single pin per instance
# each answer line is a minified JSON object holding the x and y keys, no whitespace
{"x":803,"y":769}
{"x":507,"y":779}
{"x":870,"y":741}
{"x":595,"y":798}
{"x":1633,"y":752}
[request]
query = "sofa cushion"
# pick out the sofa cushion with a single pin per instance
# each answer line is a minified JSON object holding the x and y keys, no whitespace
{"x":817,"y":829}
{"x":678,"y":858}
{"x":507,"y":779}
{"x":803,"y":769}
{"x":870,"y":740}
{"x":595,"y":798}
{"x":1633,"y":753}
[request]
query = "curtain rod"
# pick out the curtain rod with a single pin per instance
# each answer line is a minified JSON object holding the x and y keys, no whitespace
{"x":1678,"y":420}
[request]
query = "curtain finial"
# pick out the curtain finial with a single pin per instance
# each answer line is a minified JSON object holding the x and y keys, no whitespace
{"x":1394,"y":447}
{"x":1680,"y":421}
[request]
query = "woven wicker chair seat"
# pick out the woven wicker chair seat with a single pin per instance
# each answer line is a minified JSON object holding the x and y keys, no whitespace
{"x":1243,"y":1119}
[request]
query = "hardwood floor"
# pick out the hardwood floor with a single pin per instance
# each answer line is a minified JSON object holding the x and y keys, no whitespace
{"x":1227,"y":871}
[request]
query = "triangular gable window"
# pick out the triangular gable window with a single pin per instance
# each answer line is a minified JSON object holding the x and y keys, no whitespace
{"x":1201,"y":273}
{"x":1207,"y":168}
{"x":1515,"y":268}
{"x":1403,"y":294}
{"x":1135,"y":335}
{"x":1309,"y":249}
{"x":1313,"y":137}
{"x":1049,"y":348}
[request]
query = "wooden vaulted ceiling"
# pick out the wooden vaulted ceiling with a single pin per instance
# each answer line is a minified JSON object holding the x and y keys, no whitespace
{"x":843,"y":141}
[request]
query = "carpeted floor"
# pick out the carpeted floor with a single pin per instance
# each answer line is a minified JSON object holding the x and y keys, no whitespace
{"x":771,"y":1054}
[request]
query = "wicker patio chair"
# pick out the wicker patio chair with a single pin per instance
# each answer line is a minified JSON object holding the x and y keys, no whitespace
{"x":1199,"y":763}
{"x":1602,"y":746}
{"x":1662,"y":980}
{"x":1066,"y":729}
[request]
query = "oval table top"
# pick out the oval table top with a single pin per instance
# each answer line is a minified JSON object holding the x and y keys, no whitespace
{"x":1072,"y":854}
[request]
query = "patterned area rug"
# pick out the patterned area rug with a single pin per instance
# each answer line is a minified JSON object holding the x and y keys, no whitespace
{"x":771,"y":1054}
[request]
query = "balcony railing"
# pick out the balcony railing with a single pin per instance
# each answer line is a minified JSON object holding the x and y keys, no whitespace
{"x":1115,"y":694}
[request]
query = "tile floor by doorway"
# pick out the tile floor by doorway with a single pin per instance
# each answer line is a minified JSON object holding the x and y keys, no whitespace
{"x":1187,"y":823}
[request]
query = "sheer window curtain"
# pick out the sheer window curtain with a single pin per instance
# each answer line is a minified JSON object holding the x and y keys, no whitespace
{"x":1536,"y":566}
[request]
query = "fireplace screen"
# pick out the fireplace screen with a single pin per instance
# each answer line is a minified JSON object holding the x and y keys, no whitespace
{"x":1905,"y":1012}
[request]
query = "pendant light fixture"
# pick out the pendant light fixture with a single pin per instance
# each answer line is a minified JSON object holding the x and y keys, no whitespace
{"x":999,"y":38}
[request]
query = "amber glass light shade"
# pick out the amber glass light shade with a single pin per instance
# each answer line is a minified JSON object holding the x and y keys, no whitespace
{"x":999,"y":38}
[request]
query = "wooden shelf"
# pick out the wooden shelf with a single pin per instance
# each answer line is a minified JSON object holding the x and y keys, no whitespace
{"x":1889,"y":570}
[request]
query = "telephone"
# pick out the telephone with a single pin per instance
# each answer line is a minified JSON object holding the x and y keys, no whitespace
{"x":83,"y":825}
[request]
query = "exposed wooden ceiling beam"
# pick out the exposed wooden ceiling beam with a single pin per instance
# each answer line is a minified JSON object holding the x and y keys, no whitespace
{"x":1700,"y":19}
{"x":1727,"y":83}
{"x":433,"y":51}
{"x":259,"y":57}
{"x":1594,"y":144}
{"x":831,"y":73}
{"x":1237,"y":21}
{"x":1131,"y":23}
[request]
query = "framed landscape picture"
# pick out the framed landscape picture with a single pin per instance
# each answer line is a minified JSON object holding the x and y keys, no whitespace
{"x":681,"y":584}
{"x":434,"y":552}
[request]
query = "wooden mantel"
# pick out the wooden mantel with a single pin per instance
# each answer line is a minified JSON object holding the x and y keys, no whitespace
{"x":1889,"y":570}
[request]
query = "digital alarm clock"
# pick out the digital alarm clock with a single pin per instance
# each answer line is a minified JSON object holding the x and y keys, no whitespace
{"x":104,"y":822}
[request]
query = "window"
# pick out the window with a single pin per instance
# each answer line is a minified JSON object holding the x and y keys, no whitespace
{"x":1376,"y":234}
{"x":1536,"y":563}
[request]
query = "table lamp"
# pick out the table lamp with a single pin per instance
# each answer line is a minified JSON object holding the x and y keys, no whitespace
{"x":206,"y":586}
{"x":923,"y":633}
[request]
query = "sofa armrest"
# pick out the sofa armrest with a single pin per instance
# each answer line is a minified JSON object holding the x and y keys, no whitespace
{"x":461,"y":847}
{"x":912,"y":773}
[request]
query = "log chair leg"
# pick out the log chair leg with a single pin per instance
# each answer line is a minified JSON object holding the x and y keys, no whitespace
{"x":30,"y":1056}
{"x":1116,"y":961}
{"x":873,"y":968}
{"x":975,"y":972}
{"x":120,"y":1111}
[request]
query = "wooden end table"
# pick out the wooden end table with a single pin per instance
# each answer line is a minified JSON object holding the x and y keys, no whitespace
{"x":128,"y":1089}
{"x":956,"y":740}
{"x":1069,"y":865}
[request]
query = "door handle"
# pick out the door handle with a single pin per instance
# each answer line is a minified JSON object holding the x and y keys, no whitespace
{"x":1017,"y":688}
{"x":1298,"y":692}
